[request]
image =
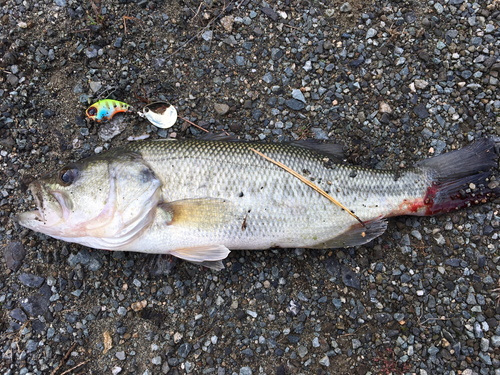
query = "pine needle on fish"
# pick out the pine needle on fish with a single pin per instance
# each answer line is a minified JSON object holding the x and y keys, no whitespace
{"x":309,"y":183}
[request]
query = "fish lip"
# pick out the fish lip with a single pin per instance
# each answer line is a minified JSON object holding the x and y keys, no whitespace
{"x":37,"y":192}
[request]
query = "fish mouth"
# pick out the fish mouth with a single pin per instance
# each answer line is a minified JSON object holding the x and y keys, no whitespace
{"x":50,"y":207}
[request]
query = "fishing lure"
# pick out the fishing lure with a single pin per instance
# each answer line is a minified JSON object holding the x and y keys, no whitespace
{"x":106,"y":109}
{"x":160,"y":114}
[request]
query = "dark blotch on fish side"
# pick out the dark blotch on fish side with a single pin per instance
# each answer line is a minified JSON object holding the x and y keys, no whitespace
{"x":397,"y":175}
{"x":353,"y":174}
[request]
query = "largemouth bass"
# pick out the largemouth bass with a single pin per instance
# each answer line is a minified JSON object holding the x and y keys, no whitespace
{"x":199,"y":199}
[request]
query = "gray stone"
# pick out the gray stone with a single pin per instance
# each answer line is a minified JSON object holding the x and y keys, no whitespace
{"x":383,"y":318}
{"x":14,"y":254}
{"x":433,"y":350}
{"x":466,"y":74}
{"x":269,"y":12}
{"x":12,"y":79}
{"x":356,"y":344}
{"x":302,"y":351}
{"x":371,"y":33}
{"x":485,"y":344}
{"x":345,"y":8}
{"x":439,"y":8}
{"x":156,"y":360}
{"x":256,"y":114}
{"x":476,"y":41}
{"x":221,"y":109}
{"x":240,"y":60}
{"x":118,"y":42}
{"x":61,"y":3}
{"x":91,"y":51}
{"x":245,"y":371}
{"x":495,"y":341}
{"x":207,"y":35}
{"x":35,"y":304}
{"x":421,"y":111}
{"x":19,"y":315}
{"x":293,"y":339}
{"x":95,"y":86}
{"x":295,"y":104}
{"x":268,"y":78}
{"x":120,"y":355}
{"x":247,"y":352}
{"x":30,"y":280}
{"x":184,"y":350}
{"x":84,"y":257}
{"x":297,"y":94}
{"x":325,"y":361}
{"x":112,"y":128}
{"x":31,"y":346}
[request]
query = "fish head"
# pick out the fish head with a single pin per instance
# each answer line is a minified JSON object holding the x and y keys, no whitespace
{"x":95,"y":201}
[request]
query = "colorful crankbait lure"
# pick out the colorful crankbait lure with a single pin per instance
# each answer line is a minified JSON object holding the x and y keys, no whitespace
{"x":106,"y":109}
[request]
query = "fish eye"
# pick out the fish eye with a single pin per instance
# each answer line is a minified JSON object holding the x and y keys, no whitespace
{"x":92,"y":111}
{"x":68,"y":176}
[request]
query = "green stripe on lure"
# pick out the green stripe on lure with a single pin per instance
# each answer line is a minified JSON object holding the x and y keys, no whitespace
{"x":106,"y":109}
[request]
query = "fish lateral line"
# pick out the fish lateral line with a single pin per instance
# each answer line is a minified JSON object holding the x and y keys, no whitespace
{"x":310,"y":184}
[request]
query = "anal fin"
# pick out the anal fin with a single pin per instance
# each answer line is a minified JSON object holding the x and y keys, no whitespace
{"x":214,"y":265}
{"x":209,"y":256}
{"x":355,"y":235}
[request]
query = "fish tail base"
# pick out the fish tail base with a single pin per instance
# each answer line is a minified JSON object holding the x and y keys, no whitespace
{"x":464,"y":192}
{"x":460,"y":178}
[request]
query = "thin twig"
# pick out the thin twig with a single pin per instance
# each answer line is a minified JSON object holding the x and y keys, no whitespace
{"x":64,"y":359}
{"x":198,"y":11}
{"x":75,"y":367}
{"x":310,"y":184}
{"x":80,"y":31}
{"x":125,"y":18}
{"x":292,"y":27}
{"x":192,"y":123}
{"x":200,"y":32}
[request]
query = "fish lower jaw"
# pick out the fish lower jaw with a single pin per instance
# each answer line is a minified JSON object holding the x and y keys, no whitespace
{"x":31,"y":219}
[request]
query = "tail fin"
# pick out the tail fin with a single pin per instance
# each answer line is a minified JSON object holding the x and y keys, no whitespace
{"x":461,"y":178}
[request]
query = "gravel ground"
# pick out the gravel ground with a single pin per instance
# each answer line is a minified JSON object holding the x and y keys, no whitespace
{"x":395,"y":82}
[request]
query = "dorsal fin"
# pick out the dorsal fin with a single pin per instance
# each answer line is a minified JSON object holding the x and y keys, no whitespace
{"x":220,"y":137}
{"x":332,"y":150}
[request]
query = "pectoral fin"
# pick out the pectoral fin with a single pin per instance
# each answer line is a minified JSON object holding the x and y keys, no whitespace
{"x":201,"y":213}
{"x":356,"y":235}
{"x":208,"y":256}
